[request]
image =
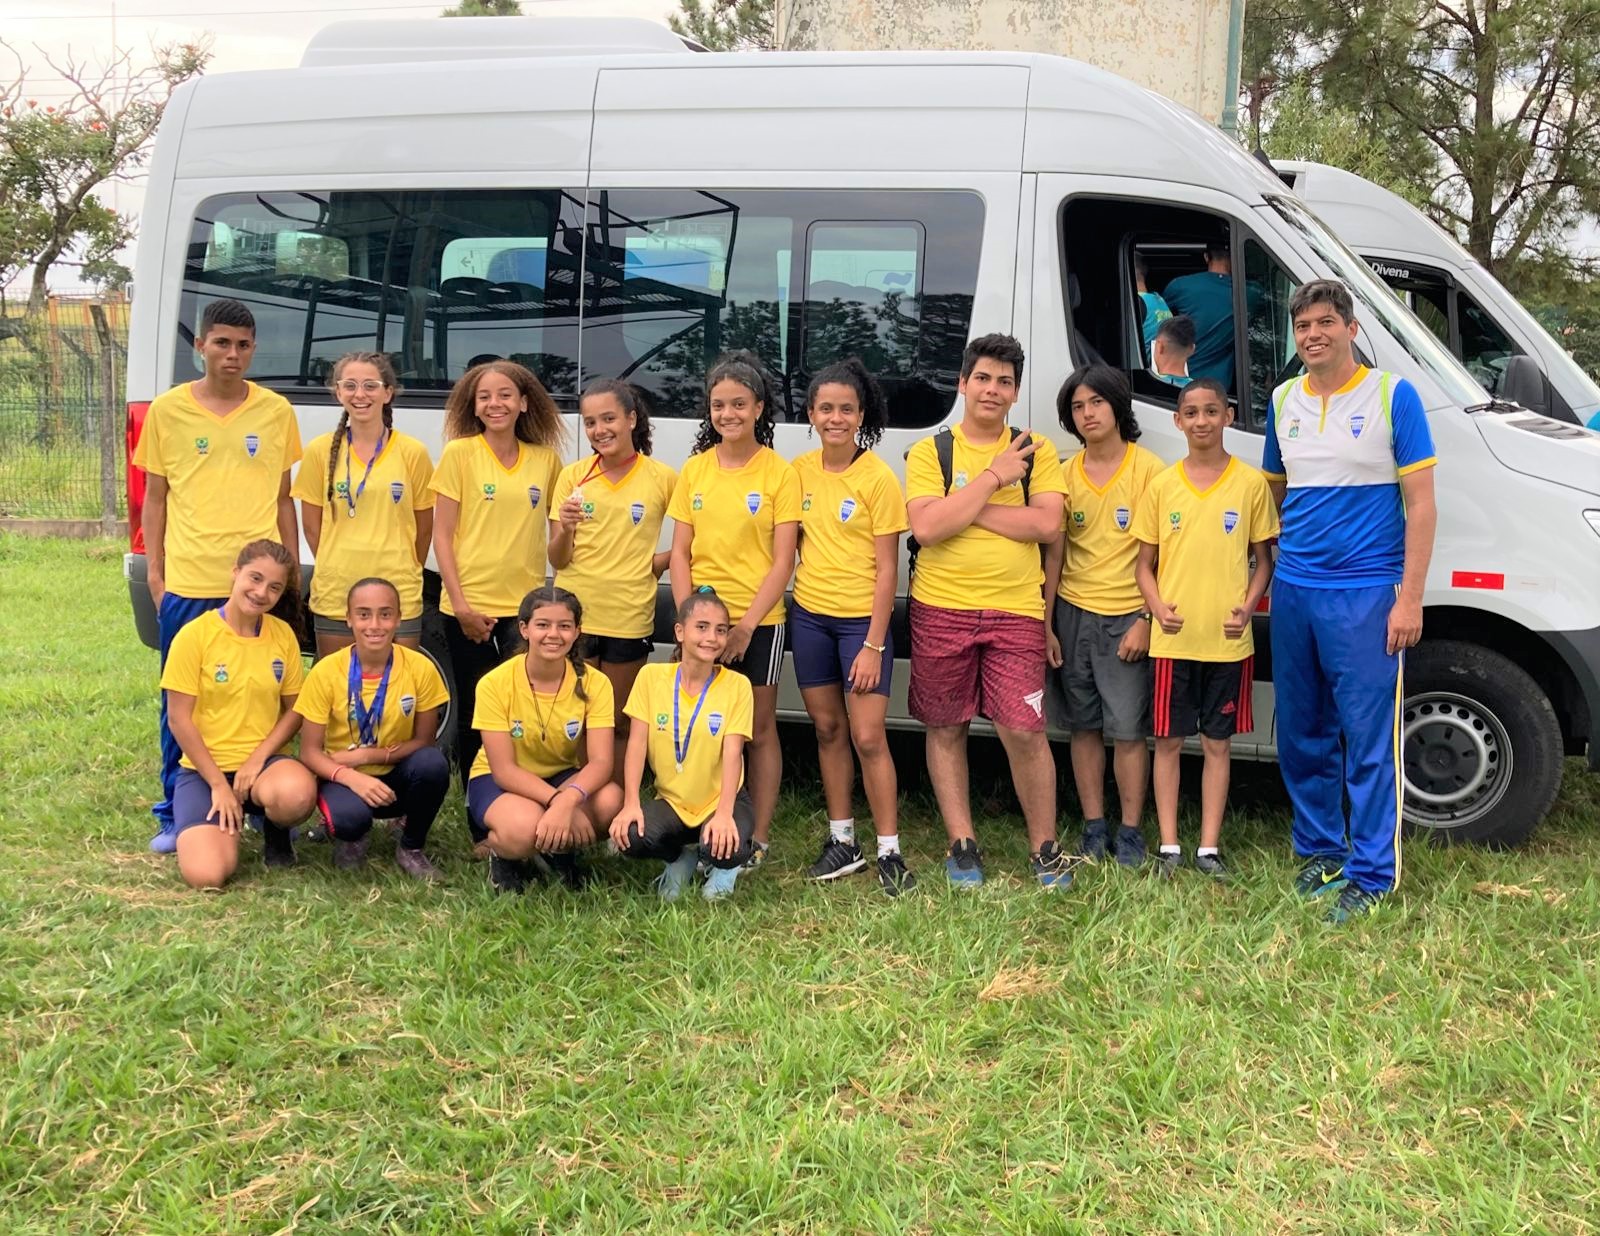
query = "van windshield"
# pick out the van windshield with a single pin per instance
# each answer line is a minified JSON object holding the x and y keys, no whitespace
{"x":1375,"y":297}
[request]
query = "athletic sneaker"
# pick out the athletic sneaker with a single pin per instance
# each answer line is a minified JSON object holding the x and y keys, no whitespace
{"x":314,"y":832}
{"x":1130,"y":846}
{"x":481,"y":850}
{"x":719,"y":882}
{"x":508,"y":875}
{"x":348,"y":855}
{"x":1354,"y":902}
{"x":1094,"y":842}
{"x":279,"y":858}
{"x":758,"y":856}
{"x":964,"y":865}
{"x":1051,"y":867}
{"x":417,"y":865}
{"x":1320,"y":875}
{"x":1168,"y":865}
{"x":675,"y":877}
{"x":894,"y":876}
{"x":566,"y":868}
{"x":1211,"y":865}
{"x":165,"y":841}
{"x":838,"y":858}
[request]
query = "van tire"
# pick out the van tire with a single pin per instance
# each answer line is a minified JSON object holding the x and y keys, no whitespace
{"x":1480,"y":745}
{"x":437,"y":651}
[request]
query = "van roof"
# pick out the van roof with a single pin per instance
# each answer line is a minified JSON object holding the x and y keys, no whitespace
{"x":487,"y":38}
{"x":1368,"y":217}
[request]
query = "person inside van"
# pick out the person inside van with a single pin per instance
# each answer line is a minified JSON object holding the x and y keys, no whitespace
{"x":366,"y":503}
{"x":1206,"y":297}
{"x":605,"y":524}
{"x":217,"y":453}
{"x":1156,"y":310}
{"x":851,"y":517}
{"x":737,"y":517}
{"x":1170,"y":353}
{"x":490,"y":529}
{"x":977,"y":606}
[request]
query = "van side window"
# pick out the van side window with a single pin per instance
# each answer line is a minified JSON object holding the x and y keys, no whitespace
{"x":801,"y":278}
{"x":1485,"y":348}
{"x":1269,"y":331}
{"x":438,"y":279}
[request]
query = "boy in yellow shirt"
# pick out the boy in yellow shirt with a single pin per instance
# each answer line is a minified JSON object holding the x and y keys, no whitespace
{"x":1201,"y":523}
{"x":216,"y":455}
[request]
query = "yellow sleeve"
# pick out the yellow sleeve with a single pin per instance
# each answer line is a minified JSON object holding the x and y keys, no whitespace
{"x":1263,"y":512}
{"x":638,"y":705}
{"x":1047,"y":475}
{"x":182,"y":671}
{"x":148,"y":453}
{"x":923,"y":479}
{"x":316,"y":697}
{"x":291,"y":430}
{"x":741,"y":709}
{"x":667,"y":480}
{"x":1145,"y":525}
{"x":421,"y":478}
{"x":786,"y":496}
{"x":888,"y":505}
{"x":294,"y":670}
{"x":560,"y":492}
{"x":601,"y":714}
{"x":311,"y":482}
{"x":447,"y":479}
{"x":431,"y":691}
{"x":552,"y":471}
{"x":678,"y":506}
{"x":493,"y":709}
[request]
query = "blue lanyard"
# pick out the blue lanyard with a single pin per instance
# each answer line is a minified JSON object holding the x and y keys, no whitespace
{"x":223,"y":614}
{"x":350,"y":495}
{"x":680,"y":750}
{"x":367,"y":720}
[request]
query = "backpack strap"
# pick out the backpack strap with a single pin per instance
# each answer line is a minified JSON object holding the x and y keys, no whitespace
{"x":944,"y":446}
{"x":1027,"y":466}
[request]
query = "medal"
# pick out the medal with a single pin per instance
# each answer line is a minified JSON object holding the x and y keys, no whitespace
{"x":366,"y":720}
{"x":680,"y":749}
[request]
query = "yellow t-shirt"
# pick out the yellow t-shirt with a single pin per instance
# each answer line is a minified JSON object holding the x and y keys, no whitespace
{"x":502,"y":529}
{"x":223,"y":474}
{"x":1097,"y":571}
{"x":611,"y":554}
{"x":1202,"y":540}
{"x":733,"y":512}
{"x":729,"y":708}
{"x":381,"y":537}
{"x":239,"y":684}
{"x":978,"y":569}
{"x":841,"y":516}
{"x":546,"y":732}
{"x":414,"y":686}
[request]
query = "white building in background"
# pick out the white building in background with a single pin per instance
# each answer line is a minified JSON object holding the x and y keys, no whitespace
{"x":1186,"y":50}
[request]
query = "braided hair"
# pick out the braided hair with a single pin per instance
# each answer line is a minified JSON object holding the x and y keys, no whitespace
{"x":746,"y":369}
{"x":869,"y":397}
{"x":549,"y":594}
{"x":386,"y":375}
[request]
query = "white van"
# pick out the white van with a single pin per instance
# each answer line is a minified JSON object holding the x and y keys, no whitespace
{"x":445,"y":190}
{"x":1449,"y":290}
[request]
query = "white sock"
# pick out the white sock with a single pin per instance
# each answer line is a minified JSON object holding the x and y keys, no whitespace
{"x":1172,"y":849}
{"x":842,"y":830}
{"x":1204,"y":850}
{"x":889,"y":844}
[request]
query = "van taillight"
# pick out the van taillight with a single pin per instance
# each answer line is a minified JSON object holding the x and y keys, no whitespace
{"x":136,"y":414}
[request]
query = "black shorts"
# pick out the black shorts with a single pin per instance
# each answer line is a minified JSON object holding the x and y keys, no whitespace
{"x":763,"y":659}
{"x":1202,"y":697}
{"x":613,"y":650}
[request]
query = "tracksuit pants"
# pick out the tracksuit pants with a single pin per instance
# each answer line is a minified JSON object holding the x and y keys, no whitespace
{"x":419,"y":783}
{"x":174,"y":614}
{"x":1338,"y":695}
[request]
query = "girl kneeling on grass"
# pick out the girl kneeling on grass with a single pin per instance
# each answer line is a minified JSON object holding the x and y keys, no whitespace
{"x":691,"y":723}
{"x":371,"y":716}
{"x":231,"y":679}
{"x":541,"y":786}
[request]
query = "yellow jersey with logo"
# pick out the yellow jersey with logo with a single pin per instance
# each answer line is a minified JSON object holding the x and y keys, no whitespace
{"x":547,"y":731}
{"x":414,"y":687}
{"x":1097,"y":569}
{"x":502,"y":528}
{"x":239,"y":684}
{"x":841,"y":516}
{"x":691,"y":790}
{"x":223,"y":476}
{"x":1202,"y":539}
{"x":369,"y":527}
{"x":612,"y":550}
{"x":733,"y":512}
{"x":978,"y":569}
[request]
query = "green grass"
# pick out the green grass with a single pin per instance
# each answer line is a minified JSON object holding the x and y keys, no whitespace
{"x":319,"y":1052}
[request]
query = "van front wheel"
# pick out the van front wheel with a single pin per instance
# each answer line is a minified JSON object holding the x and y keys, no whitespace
{"x":1480,"y":746}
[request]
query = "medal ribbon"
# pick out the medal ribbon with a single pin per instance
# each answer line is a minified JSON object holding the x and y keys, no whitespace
{"x":351,"y":495}
{"x":367,"y":720}
{"x":680,"y":750}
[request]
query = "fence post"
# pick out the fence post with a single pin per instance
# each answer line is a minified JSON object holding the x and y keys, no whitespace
{"x":110,"y":421}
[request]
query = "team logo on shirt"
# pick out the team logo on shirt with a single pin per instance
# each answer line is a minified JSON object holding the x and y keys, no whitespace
{"x":805,"y":503}
{"x":1175,"y":518}
{"x":1230,"y":520}
{"x":960,"y":481}
{"x":341,"y":488}
{"x":488,"y":492}
{"x":407,"y":704}
{"x":752,"y":502}
{"x":698,"y":503}
{"x":1294,"y":428}
{"x":661,"y":721}
{"x":636,"y":513}
{"x":277,"y":669}
{"x":1078,"y":519}
{"x":1357,"y":424}
{"x":714,"y":723}
{"x":221,"y":674}
{"x":847,"y":508}
{"x":516,"y":730}
{"x":572,"y":728}
{"x":202,"y":446}
{"x":587,"y":507}
{"x":397,"y":490}
{"x":1124,"y":518}
{"x":534,"y":495}
{"x":252,"y":444}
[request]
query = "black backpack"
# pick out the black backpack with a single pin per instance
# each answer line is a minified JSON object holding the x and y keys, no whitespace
{"x":944,"y":446}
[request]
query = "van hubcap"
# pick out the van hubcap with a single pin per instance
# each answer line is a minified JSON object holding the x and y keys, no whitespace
{"x":1457,"y":760}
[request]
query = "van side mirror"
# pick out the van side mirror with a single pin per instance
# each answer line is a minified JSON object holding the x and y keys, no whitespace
{"x":1522,"y":381}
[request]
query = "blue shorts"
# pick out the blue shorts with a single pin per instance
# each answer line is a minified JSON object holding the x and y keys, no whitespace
{"x":482,"y":792}
{"x":825,"y":648}
{"x":191,"y":797}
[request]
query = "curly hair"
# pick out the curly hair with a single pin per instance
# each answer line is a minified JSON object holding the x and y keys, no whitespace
{"x":1110,"y":385}
{"x":746,"y":369}
{"x":540,"y":423}
{"x":631,"y":399}
{"x":869,"y":397}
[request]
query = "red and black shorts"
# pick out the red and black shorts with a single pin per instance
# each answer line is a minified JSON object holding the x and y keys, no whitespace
{"x":1202,"y":697}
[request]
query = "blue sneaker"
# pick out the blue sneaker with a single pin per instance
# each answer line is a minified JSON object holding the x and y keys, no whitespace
{"x":1094,"y":842}
{"x":677,"y":874}
{"x":964,"y":865}
{"x":1130,"y":846}
{"x":719,"y":883}
{"x":1051,"y":867}
{"x":165,"y":841}
{"x":1354,"y":902}
{"x":1320,"y":875}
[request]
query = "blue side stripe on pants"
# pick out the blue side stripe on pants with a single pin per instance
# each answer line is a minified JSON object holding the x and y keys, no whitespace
{"x":174,"y":614}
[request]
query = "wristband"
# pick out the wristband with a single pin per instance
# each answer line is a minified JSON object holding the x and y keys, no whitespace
{"x":336,"y":772}
{"x":1146,"y":615}
{"x":572,"y":785}
{"x":877,"y":648}
{"x":998,"y":483}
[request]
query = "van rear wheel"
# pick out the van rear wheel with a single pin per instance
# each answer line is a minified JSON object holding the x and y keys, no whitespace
{"x":1480,"y":746}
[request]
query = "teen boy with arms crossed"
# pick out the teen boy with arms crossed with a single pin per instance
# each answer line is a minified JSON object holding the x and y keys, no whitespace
{"x":1201,"y":521}
{"x":217,"y":455}
{"x":1350,"y":460}
{"x":977,"y":605}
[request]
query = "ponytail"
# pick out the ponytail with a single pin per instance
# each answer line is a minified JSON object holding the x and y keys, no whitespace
{"x":391,"y":383}
{"x":874,"y":406}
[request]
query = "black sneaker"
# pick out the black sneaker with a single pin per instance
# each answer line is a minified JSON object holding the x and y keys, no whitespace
{"x":279,"y":856}
{"x":838,"y":858}
{"x":1094,"y":842}
{"x":964,"y":865}
{"x":1320,"y":875}
{"x":1130,"y":846}
{"x":894,"y":876}
{"x":1168,"y":865}
{"x":1051,"y":867}
{"x":508,"y":875}
{"x":1354,"y":902}
{"x":566,"y":868}
{"x":1211,"y":865}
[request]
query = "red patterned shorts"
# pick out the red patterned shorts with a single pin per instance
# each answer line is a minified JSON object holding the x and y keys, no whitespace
{"x":970,"y":661}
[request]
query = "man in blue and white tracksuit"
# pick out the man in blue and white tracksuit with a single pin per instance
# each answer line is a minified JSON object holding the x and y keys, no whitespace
{"x":1350,"y":460}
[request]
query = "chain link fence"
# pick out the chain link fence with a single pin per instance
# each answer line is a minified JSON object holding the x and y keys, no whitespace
{"x":62,"y":413}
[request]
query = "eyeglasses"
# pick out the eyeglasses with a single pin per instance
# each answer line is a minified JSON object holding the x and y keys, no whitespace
{"x":350,"y":386}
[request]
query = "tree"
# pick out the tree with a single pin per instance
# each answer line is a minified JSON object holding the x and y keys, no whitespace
{"x":54,"y":160}
{"x":485,"y":8}
{"x":726,"y":25}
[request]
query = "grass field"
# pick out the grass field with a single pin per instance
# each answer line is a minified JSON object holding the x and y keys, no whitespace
{"x":316,"y":1052}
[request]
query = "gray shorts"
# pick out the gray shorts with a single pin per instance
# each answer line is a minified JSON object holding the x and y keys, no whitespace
{"x":1103,"y":692}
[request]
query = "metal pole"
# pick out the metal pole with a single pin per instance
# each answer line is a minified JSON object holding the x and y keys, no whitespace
{"x":108,"y":420}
